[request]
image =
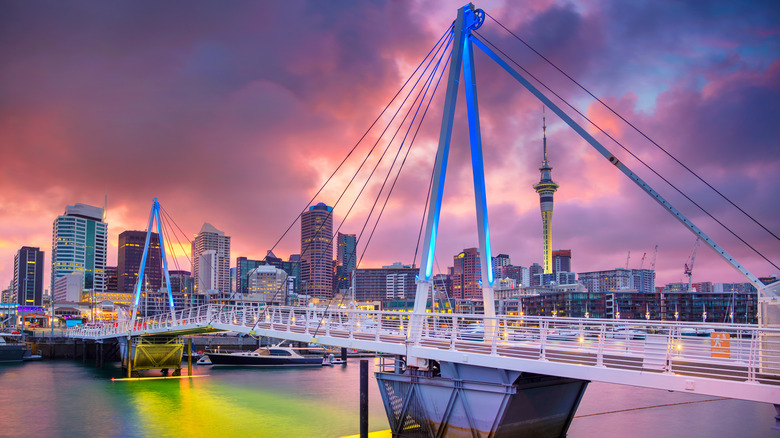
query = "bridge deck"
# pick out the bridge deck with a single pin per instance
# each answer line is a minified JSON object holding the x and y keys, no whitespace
{"x":737,"y":361}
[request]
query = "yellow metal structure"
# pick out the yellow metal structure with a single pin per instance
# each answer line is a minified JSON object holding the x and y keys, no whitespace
{"x":157,"y":353}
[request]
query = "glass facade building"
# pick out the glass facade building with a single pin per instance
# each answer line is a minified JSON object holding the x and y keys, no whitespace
{"x":79,"y":244}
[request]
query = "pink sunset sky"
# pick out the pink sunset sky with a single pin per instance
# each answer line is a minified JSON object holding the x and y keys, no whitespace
{"x":235,"y":113}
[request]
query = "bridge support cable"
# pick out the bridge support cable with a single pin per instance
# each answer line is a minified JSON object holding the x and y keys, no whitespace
{"x":468,"y":19}
{"x":635,"y":128}
{"x":435,"y":48}
{"x":622,"y":167}
{"x":416,"y":105}
{"x":677,"y":189}
{"x":154,"y":214}
{"x":434,"y":58}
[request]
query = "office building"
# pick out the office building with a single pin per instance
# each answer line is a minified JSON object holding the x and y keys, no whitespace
{"x":28,"y":276}
{"x":112,"y":279}
{"x":317,"y":251}
{"x":467,"y":275}
{"x":131,"y":250}
{"x":346,"y":259}
{"x":211,"y":261}
{"x":640,"y":280}
{"x":243,"y":266}
{"x":561,"y":260}
{"x":389,"y":283}
{"x":68,"y":287}
{"x":79,"y":244}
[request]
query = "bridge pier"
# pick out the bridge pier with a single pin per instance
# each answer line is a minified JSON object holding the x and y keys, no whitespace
{"x":158,"y":352}
{"x":460,"y":400}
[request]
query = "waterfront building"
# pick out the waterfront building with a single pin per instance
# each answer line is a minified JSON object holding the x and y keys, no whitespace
{"x":317,"y":251}
{"x":211,"y":260}
{"x":131,"y":250}
{"x":243,"y":266}
{"x":346,"y":259}
{"x":546,"y":189}
{"x":267,"y":284}
{"x":642,"y":280}
{"x":28,"y":276}
{"x":181,"y":282}
{"x":112,"y":279}
{"x":79,"y":244}
{"x":467,"y":275}
{"x":389,"y":283}
{"x":68,"y":287}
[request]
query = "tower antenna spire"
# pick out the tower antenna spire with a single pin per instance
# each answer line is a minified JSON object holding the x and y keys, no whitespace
{"x":546,"y":188}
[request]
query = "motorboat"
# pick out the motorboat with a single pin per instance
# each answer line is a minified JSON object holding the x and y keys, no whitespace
{"x":333,"y":360}
{"x":12,"y":349}
{"x":265,"y":357}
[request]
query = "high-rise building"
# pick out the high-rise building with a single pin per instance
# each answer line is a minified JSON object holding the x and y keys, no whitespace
{"x":211,"y":260}
{"x":112,"y":279}
{"x":79,"y":243}
{"x":317,"y":251}
{"x":561,"y":260}
{"x":467,"y":275}
{"x":535,"y":272}
{"x":499,"y":262}
{"x":131,"y":250}
{"x":346,"y":259}
{"x":28,"y":276}
{"x":268,"y":284}
{"x":243,"y":266}
{"x":393,"y":282}
{"x":546,"y":189}
{"x":641,"y":280}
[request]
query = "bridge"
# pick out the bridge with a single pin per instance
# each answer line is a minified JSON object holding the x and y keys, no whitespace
{"x":498,"y":375}
{"x":725,"y":360}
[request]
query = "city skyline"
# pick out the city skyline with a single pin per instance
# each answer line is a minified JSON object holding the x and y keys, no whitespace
{"x":199,"y":109}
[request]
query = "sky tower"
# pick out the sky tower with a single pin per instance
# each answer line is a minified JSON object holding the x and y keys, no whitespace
{"x":546,"y":189}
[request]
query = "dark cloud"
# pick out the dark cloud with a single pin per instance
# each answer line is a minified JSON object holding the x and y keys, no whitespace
{"x":235,"y":113}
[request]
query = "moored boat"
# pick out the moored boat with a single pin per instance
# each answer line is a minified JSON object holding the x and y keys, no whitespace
{"x":265,"y":356}
{"x":11,"y":347}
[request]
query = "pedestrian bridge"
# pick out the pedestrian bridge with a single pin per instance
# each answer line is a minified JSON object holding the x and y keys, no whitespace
{"x":727,"y":360}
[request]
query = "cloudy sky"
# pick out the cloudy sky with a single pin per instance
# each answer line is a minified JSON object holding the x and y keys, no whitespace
{"x":235,"y":113}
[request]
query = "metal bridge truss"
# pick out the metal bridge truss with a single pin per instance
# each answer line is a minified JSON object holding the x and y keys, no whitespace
{"x":727,"y":360}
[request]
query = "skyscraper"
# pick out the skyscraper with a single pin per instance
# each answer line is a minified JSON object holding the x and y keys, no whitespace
{"x":131,"y":250}
{"x":317,"y":251}
{"x":211,"y":260}
{"x":28,"y":276}
{"x":467,"y":275}
{"x":79,"y":242}
{"x":546,"y":189}
{"x":243,"y":266}
{"x":561,"y":260}
{"x":346,"y":259}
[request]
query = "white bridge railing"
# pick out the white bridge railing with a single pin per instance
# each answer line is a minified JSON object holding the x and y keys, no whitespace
{"x":732,"y":352}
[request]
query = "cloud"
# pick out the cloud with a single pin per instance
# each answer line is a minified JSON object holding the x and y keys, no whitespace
{"x":237,"y":113}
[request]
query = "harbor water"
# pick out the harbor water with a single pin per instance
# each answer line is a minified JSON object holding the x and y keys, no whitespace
{"x":67,"y":398}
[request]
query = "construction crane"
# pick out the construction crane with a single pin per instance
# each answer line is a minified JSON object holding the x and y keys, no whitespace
{"x":655,"y":254}
{"x":628,"y":257}
{"x":642,"y":262}
{"x":689,"y":267}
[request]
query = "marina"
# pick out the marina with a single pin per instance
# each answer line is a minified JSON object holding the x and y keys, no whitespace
{"x":64,"y":395}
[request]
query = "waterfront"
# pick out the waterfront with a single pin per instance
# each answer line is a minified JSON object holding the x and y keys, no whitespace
{"x":66,"y":398}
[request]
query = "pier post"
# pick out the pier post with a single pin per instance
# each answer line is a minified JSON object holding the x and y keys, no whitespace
{"x":344,"y":354}
{"x":189,"y":356}
{"x":363,"y":398}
